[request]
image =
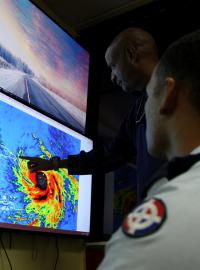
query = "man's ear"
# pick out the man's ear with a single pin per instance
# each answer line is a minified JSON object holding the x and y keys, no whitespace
{"x":169,"y":99}
{"x":131,"y":54}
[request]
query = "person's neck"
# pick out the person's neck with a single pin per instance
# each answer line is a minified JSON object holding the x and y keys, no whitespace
{"x":185,"y":136}
{"x":148,"y":70}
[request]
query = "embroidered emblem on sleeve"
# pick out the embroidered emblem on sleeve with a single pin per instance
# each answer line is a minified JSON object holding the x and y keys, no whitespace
{"x":145,"y":219}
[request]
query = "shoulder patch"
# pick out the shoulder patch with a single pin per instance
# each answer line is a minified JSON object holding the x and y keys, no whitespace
{"x":146,"y":219}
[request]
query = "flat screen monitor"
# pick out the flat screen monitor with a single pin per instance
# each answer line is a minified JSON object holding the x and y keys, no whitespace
{"x":61,"y":202}
{"x":42,"y":64}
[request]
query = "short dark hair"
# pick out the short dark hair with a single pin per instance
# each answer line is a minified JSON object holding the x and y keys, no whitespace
{"x":182,"y":61}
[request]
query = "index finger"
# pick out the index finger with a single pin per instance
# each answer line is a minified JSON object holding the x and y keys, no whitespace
{"x":27,"y":158}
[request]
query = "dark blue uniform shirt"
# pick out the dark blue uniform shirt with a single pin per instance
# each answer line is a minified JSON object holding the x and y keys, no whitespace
{"x":129,"y":143}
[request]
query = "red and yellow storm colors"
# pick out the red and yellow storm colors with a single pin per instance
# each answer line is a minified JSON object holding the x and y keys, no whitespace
{"x":48,"y":204}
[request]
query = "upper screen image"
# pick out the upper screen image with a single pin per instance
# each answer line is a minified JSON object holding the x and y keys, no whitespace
{"x":42,"y":64}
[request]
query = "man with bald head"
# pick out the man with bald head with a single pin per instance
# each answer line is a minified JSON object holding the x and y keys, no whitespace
{"x":131,"y":56}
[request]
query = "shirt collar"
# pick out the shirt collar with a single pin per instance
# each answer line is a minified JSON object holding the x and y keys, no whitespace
{"x":195,"y":150}
{"x":175,"y":167}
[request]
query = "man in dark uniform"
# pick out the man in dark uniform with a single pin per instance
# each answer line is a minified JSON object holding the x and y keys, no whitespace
{"x":131,"y":56}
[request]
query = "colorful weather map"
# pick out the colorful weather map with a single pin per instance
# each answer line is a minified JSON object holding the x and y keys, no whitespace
{"x":24,"y":200}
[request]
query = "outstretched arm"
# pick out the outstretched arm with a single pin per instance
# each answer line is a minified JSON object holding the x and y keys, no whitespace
{"x":39,"y":164}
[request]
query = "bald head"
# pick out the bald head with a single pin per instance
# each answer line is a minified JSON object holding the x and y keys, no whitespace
{"x":140,"y":39}
{"x":132,"y":56}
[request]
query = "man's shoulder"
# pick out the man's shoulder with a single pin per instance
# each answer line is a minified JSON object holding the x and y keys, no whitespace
{"x":159,"y":226}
